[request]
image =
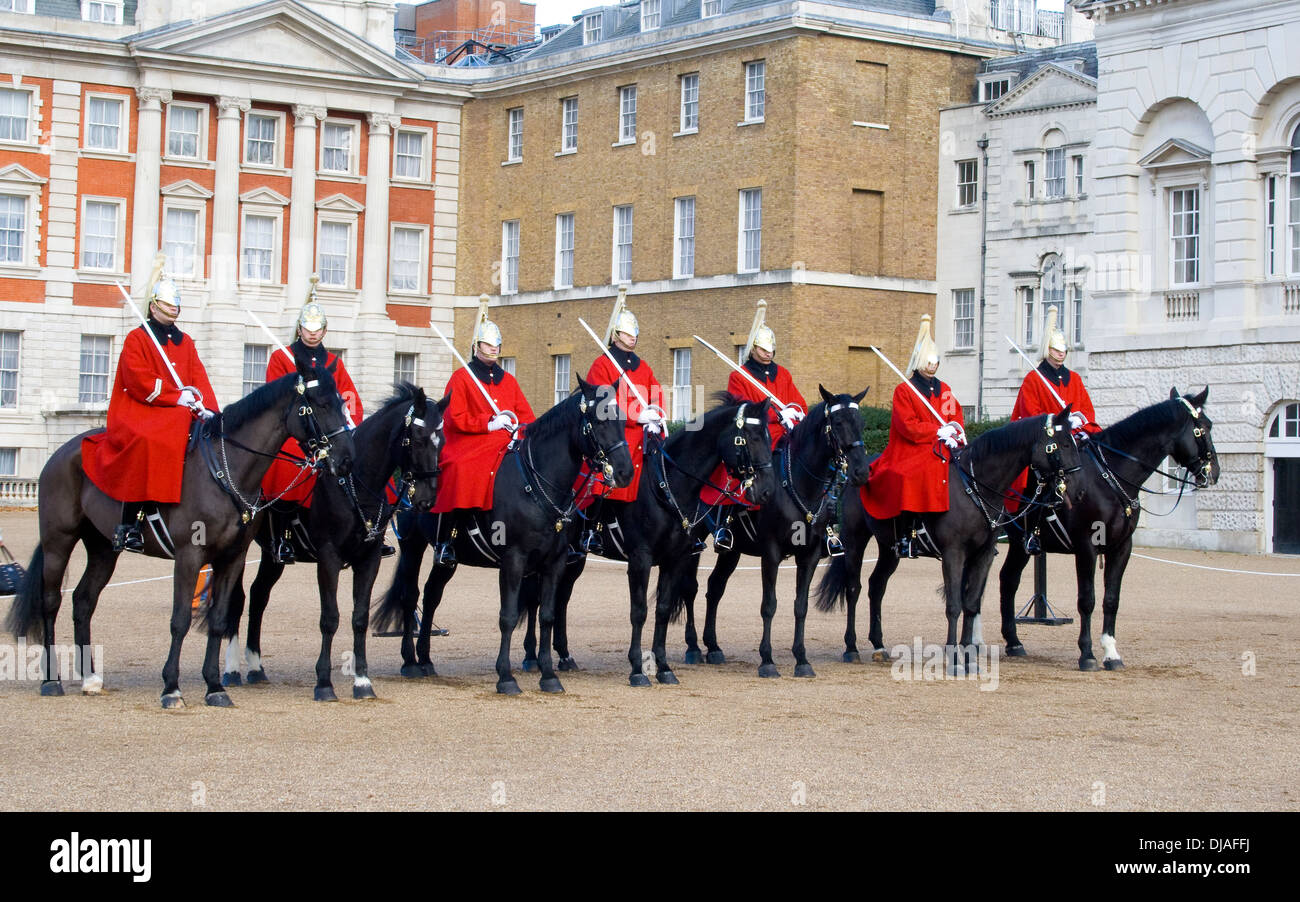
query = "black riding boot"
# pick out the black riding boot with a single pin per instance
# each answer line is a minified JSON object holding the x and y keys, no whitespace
{"x":591,"y":541}
{"x":906,"y":545}
{"x":127,"y":536}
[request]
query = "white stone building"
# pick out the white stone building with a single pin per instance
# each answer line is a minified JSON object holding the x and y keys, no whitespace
{"x":1195,"y":280}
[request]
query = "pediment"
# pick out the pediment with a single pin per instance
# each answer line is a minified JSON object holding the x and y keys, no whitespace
{"x":1049,"y":87}
{"x":17,"y":173}
{"x":339,"y":203}
{"x":1175,"y":152}
{"x":279,"y":34}
{"x":187,"y":188}
{"x":264,"y":195}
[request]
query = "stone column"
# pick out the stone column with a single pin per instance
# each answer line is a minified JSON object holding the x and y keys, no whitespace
{"x":223,"y":274}
{"x":302,"y":203}
{"x":374,"y":277}
{"x":144,"y":208}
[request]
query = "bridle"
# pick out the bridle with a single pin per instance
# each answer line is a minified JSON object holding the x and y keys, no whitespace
{"x":744,"y":470}
{"x":318,"y":440}
{"x":832,"y":486}
{"x":1055,"y":470}
{"x":404,"y":482}
{"x":1205,"y":455}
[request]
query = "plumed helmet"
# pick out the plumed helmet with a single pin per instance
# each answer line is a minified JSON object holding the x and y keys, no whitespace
{"x":161,"y":286}
{"x":312,"y":318}
{"x":760,"y":334}
{"x":622,"y":319}
{"x":484,"y":329}
{"x":924,"y":352}
{"x":1053,"y":338}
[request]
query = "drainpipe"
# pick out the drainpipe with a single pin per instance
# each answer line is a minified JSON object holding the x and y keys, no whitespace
{"x":983,"y":145}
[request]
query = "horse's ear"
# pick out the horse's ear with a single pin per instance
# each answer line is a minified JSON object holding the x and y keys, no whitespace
{"x":583,"y":385}
{"x":1063,"y":418}
{"x":1199,"y":400}
{"x":442,"y":405}
{"x":857,"y":399}
{"x":420,"y":400}
{"x":1173,"y":394}
{"x":826,"y":396}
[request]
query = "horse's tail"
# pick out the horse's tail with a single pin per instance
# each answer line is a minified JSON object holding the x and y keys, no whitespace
{"x":26,"y":615}
{"x":830,"y":591}
{"x":390,"y":613}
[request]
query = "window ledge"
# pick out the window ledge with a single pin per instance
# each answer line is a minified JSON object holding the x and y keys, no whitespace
{"x":24,"y":146}
{"x":262,"y":169}
{"x":419,"y":184}
{"x":407,"y":293}
{"x":101,"y":276}
{"x":879,"y":125}
{"x":689,"y":131}
{"x":339,"y":177}
{"x":957,"y":211}
{"x":19,"y":271}
{"x":188,"y":163}
{"x":624,"y":143}
{"x":566,"y":153}
{"x":961,"y":352}
{"x":745,"y":122}
{"x":94,"y":153}
{"x":512,"y":162}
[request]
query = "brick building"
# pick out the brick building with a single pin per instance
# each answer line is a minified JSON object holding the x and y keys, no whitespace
{"x":706,"y":156}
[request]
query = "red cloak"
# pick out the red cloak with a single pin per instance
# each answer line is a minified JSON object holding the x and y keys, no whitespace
{"x":909,"y":475}
{"x":141,"y":454}
{"x":603,"y":372}
{"x":1035,"y":400}
{"x":780,"y":385}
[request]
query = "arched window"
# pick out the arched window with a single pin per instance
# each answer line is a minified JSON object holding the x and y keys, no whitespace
{"x":1285,"y":423}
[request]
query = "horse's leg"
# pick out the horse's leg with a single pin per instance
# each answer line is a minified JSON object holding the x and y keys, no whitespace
{"x":806,"y":567}
{"x":227,"y":570}
{"x":183,"y":578}
{"x":511,"y":576}
{"x":57,"y":549}
{"x":364,"y":572}
{"x":886,"y":564}
{"x":852,"y":590}
{"x":722,"y":570}
{"x":1085,"y":566}
{"x":666,"y":594}
{"x":232,"y":673}
{"x":771,"y":564}
{"x":954,"y":567}
{"x":563,"y":594}
{"x":638,"y":581}
{"x":545,"y":604}
{"x":1116,"y":560}
{"x":434,"y":587}
{"x":259,"y":596}
{"x":406,"y":582}
{"x":688,"y":588}
{"x":529,"y":663}
{"x":100,"y":563}
{"x":1008,"y":583}
{"x":973,"y":582}
{"x":327,"y":580}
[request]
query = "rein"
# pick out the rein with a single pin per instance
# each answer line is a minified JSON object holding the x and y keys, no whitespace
{"x":404,"y":485}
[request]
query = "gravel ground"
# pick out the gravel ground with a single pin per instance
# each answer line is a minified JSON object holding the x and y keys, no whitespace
{"x":1204,"y":717}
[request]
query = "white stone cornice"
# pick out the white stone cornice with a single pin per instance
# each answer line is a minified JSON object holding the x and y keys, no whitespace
{"x":233,"y":106}
{"x":149,"y":96}
{"x":187,"y":188}
{"x":383,"y":123}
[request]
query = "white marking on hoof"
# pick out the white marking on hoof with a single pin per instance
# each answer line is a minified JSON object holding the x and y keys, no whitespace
{"x":977,"y":631}
{"x":92,"y":685}
{"x":362,"y":682}
{"x":233,"y":654}
{"x":1110,"y":653}
{"x":254,"y":660}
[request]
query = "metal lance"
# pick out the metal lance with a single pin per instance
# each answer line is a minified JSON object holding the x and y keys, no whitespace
{"x":908,"y":383}
{"x":1034,"y":367}
{"x":744,"y":372}
{"x":493,"y":404}
{"x":161,"y":353}
{"x":605,"y":350}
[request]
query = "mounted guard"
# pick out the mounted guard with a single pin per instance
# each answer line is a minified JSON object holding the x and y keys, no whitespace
{"x":160,"y":389}
{"x":911,"y":476}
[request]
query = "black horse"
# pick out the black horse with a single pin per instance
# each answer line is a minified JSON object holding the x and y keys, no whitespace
{"x":1116,"y":462}
{"x":814,"y":462}
{"x":227,"y":458}
{"x":344,"y":527}
{"x":964,"y":536}
{"x":662,"y":527}
{"x":523,"y":534}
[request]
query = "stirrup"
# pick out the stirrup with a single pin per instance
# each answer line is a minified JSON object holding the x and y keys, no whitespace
{"x":834,"y":547}
{"x":723,"y":540}
{"x":574,"y":556}
{"x":906,"y":547}
{"x":127,"y":537}
{"x":283,"y":552}
{"x":592,"y":543}
{"x":446,"y":555}
{"x":1032,"y":545}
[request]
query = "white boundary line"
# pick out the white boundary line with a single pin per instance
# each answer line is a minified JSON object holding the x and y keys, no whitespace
{"x":1216,"y":569}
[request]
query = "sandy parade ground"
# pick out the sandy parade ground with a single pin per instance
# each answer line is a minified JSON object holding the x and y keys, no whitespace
{"x":1204,"y":717}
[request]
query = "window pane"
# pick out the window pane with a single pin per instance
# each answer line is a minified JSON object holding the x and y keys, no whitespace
{"x":105,"y":124}
{"x":9,"y":345}
{"x":180,"y":241}
{"x":260,"y":143}
{"x":410,"y":155}
{"x":569,"y":139}
{"x":259,"y":248}
{"x":967,"y":182}
{"x":751,"y":228}
{"x":564,"y":250}
{"x":561,"y":377}
{"x":516,"y":126}
{"x":755,"y":93}
{"x":627,"y":113}
{"x":404,"y":368}
{"x":622,"y":244}
{"x":405,"y":268}
{"x":336,"y":144}
{"x":182,"y":131}
{"x":510,"y":256}
{"x":690,"y":102}
{"x":255,"y":360}
{"x":1055,"y":182}
{"x":93,"y":382}
{"x":99,"y":236}
{"x":963,"y":318}
{"x":685,"y":257}
{"x":335,"y":238}
{"x":682,"y":384}
{"x":13,"y":218}
{"x":14,"y":115}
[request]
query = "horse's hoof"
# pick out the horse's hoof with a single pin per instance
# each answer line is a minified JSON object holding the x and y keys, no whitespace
{"x":567,"y":665}
{"x":804,"y":670}
{"x":716,"y":657}
{"x":1016,"y":651}
{"x":768,"y":671}
{"x":218,"y":700}
{"x":880,"y":655}
{"x":529,"y":665}
{"x":692,"y":656}
{"x":92,"y":685}
{"x":173,"y":700}
{"x":324,"y":694}
{"x":232,"y":679}
{"x":363,"y":690}
{"x":257,"y":676}
{"x":428,"y":669}
{"x":667,"y":677}
{"x":1088,"y":664}
{"x":1113,"y":664}
{"x":551,"y":684}
{"x":508,"y":687}
{"x":639,"y":680}
{"x":51,"y":688}
{"x":412,"y":671}
{"x":851,"y":657}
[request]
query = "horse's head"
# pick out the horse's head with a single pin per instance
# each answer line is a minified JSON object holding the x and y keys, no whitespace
{"x":1055,"y":456}
{"x":745,"y":447}
{"x":1193,"y":446}
{"x":604,"y":438}
{"x":316,"y":418}
{"x":421,"y":446}
{"x":843,"y":432}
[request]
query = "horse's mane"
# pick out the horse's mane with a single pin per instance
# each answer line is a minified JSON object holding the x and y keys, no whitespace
{"x":1156,"y":418}
{"x":404,"y":393}
{"x":255,"y":403}
{"x":559,"y":418}
{"x":810,"y":426}
{"x":1011,"y":437}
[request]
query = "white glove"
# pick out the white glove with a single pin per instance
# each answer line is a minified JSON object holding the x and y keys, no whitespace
{"x":1077,"y":420}
{"x":952,"y":435}
{"x":789,"y":416}
{"x":203,"y":412}
{"x":961,"y":433}
{"x":650,"y":415}
{"x":500,"y":421}
{"x":186,"y":399}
